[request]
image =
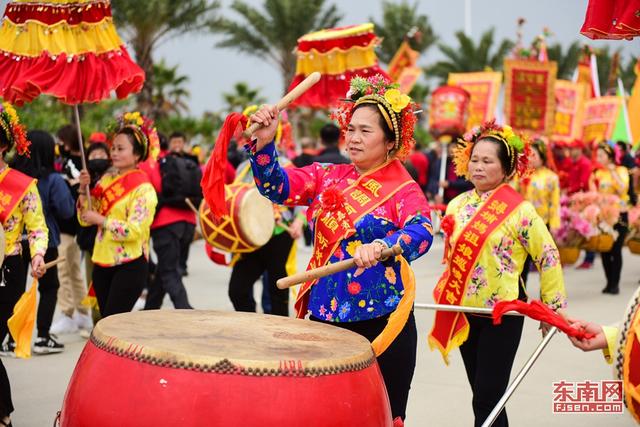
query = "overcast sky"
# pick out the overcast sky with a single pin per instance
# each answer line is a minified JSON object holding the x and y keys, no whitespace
{"x":213,"y":71}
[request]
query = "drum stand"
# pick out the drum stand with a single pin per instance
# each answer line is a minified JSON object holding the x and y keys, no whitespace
{"x":525,"y":369}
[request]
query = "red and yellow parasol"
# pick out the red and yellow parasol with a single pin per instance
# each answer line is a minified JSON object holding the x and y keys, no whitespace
{"x":338,"y":54}
{"x":69,"y":50}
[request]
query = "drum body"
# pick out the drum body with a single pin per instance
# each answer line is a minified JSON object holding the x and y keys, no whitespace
{"x":248,"y":226}
{"x":449,"y":111}
{"x":627,"y":360}
{"x":204,"y":368}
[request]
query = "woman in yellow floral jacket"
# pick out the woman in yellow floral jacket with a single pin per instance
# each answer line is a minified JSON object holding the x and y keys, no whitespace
{"x":124,"y":203}
{"x":542,"y":190}
{"x":490,"y":232}
{"x":20,"y":208}
{"x":612,"y":179}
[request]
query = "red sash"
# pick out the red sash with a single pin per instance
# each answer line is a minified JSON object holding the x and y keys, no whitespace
{"x":365,"y":195}
{"x":451,"y":329}
{"x":13,"y":187}
{"x":118,"y":189}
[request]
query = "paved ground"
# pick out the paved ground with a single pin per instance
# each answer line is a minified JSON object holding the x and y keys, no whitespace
{"x":440,"y":394}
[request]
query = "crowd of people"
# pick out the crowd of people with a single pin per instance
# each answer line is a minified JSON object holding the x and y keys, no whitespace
{"x":364,"y":187}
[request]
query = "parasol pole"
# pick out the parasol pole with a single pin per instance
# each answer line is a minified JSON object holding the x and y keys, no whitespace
{"x":76,"y":115}
{"x":444,"y":141}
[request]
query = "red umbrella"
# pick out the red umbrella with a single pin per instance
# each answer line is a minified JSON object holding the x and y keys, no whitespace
{"x":69,"y":50}
{"x":612,"y":19}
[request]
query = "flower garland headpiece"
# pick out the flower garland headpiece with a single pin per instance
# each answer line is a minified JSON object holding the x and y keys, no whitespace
{"x":518,"y":148}
{"x":14,"y":130}
{"x":397,"y":109}
{"x":143,"y":129}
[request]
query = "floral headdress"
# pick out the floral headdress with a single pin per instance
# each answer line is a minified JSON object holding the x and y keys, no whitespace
{"x":397,"y":109}
{"x":143,"y":129}
{"x":517,"y":147}
{"x":14,"y":130}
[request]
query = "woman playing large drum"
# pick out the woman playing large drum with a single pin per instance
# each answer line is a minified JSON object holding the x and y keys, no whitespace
{"x":356,"y":211}
{"x":490,"y":231}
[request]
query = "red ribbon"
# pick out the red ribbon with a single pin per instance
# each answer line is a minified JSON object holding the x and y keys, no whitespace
{"x":213,"y":176}
{"x":538,"y":311}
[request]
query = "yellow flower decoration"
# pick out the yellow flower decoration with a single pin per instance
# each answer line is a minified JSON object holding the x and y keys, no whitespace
{"x":362,"y":303}
{"x":390,"y":275}
{"x":13,"y":115}
{"x":334,"y":304}
{"x":351,"y":247}
{"x":397,"y":99}
{"x":507,"y":132}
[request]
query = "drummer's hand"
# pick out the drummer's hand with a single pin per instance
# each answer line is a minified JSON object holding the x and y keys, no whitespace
{"x":84,"y":179}
{"x":37,"y":266}
{"x":367,"y":256}
{"x":596,"y":343}
{"x":267,"y":116}
{"x":92,"y":217}
{"x":295,"y":229}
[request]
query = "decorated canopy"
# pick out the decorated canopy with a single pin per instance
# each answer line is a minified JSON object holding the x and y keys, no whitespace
{"x":338,"y":54}
{"x":66,"y":49}
{"x":612,"y":19}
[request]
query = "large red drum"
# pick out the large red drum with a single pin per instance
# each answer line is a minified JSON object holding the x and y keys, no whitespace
{"x":207,"y":368}
{"x":627,"y":360}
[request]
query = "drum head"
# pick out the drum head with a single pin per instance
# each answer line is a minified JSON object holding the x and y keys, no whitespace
{"x":627,"y":358}
{"x":231,"y":342}
{"x":256,"y":218}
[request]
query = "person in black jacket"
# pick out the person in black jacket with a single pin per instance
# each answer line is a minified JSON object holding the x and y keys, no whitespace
{"x":330,"y":136}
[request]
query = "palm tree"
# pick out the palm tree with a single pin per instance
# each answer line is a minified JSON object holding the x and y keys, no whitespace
{"x":468,"y":56}
{"x":271,"y":33}
{"x":169,"y":93}
{"x":242,"y":97}
{"x":400,"y":21}
{"x":567,"y":60}
{"x":148,"y":23}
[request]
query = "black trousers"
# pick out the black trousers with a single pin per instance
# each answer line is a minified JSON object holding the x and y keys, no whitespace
{"x":6,"y":404}
{"x":117,"y":288}
{"x":12,"y":286}
{"x":612,"y":260}
{"x":397,"y":363}
{"x":488,"y":356}
{"x":48,"y":289}
{"x":185,"y":244}
{"x":167,"y":244}
{"x":271,"y":258}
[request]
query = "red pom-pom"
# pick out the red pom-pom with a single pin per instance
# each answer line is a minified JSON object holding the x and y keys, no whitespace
{"x":332,"y":199}
{"x":447,"y":224}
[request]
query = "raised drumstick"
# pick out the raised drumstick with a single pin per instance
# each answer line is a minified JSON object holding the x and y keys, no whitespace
{"x":312,"y":79}
{"x":327,"y":270}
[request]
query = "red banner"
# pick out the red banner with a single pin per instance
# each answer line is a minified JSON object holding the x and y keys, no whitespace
{"x":484,"y":88}
{"x":404,"y":58}
{"x":569,"y":110}
{"x":600,"y":115}
{"x":529,"y":102}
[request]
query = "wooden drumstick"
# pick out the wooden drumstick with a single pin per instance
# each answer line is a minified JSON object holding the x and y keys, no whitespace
{"x":54,"y":263}
{"x":327,"y":270}
{"x":304,"y":86}
{"x":192,"y":207}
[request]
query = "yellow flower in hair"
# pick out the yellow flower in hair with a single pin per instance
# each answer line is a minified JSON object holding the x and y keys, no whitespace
{"x":507,"y":132}
{"x":13,"y":115}
{"x":397,"y":99}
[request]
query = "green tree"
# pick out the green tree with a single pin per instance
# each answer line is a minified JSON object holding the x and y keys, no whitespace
{"x":469,"y":56}
{"x":148,"y":23}
{"x":242,"y":97}
{"x":271,"y":33}
{"x":169,"y":95}
{"x":567,"y":60}
{"x":400,"y":21}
